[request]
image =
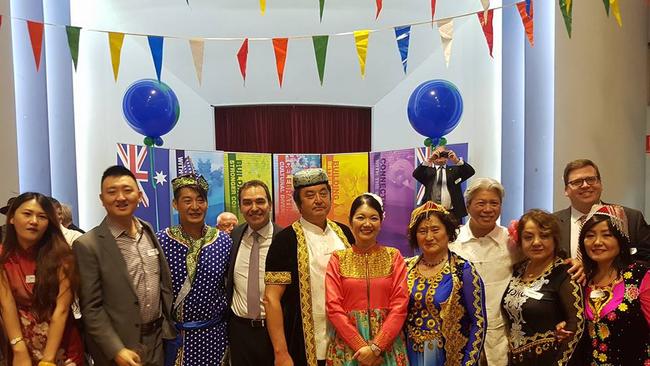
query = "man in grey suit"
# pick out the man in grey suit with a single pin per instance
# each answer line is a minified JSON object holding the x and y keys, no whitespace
{"x":249,"y":341}
{"x":583,"y":186}
{"x":125,"y":291}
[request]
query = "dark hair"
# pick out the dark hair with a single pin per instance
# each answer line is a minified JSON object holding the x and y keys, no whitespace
{"x":366,"y":199}
{"x":116,"y":171}
{"x":53,"y":255}
{"x":622,"y":260}
{"x":546,"y":222}
{"x":55,"y":202}
{"x":195,"y":187}
{"x":296,"y":192}
{"x":448,"y":221}
{"x":254,"y":183}
{"x":577,"y":164}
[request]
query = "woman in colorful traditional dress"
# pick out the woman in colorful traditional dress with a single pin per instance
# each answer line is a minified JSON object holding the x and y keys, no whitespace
{"x":446,"y":319}
{"x":617,"y":297}
{"x":540,"y":296}
{"x":366,"y":294}
{"x":37,"y":286}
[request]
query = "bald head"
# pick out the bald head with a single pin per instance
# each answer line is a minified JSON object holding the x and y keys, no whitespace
{"x":226,"y":221}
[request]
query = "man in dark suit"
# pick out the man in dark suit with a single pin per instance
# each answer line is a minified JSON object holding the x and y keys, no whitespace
{"x":442,"y":182}
{"x":249,"y":341}
{"x":125,"y":293}
{"x":583,"y":187}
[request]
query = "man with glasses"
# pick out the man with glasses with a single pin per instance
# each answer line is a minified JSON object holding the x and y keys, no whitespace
{"x":583,"y":187}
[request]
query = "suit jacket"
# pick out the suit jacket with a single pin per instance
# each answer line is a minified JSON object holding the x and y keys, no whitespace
{"x":639,"y":231}
{"x":109,"y":305}
{"x":456,"y":175}
{"x":236,"y":236}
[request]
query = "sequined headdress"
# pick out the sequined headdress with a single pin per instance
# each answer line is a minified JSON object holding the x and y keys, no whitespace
{"x":615,"y":213}
{"x":189,"y":177}
{"x":425,"y":209}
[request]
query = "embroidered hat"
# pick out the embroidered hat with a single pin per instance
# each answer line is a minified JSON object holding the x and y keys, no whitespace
{"x":615,"y":213}
{"x":189,"y":177}
{"x":309,"y":177}
{"x":425,"y":209}
{"x":5,"y":209}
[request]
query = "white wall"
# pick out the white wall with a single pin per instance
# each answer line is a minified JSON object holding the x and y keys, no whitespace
{"x":100,"y":125}
{"x":601,"y":97}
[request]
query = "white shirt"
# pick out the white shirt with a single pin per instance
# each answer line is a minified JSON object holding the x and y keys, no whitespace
{"x":445,"y":198}
{"x":575,"y":230}
{"x":70,"y":235}
{"x":240,"y":272}
{"x":493,"y":261}
{"x":321,"y":245}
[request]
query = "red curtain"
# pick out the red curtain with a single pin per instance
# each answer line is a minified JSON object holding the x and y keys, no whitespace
{"x":292,"y":129}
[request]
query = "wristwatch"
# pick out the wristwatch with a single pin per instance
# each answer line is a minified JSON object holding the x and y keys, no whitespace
{"x":375,"y":349}
{"x":15,"y":341}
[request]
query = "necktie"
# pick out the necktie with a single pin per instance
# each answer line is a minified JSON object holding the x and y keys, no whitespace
{"x":581,"y":221}
{"x":253,"y":290}
{"x":437,"y":187}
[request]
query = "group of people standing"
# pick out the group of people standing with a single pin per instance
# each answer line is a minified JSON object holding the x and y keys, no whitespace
{"x":321,"y":292}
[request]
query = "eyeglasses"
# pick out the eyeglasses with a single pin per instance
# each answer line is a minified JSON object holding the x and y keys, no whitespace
{"x":577,"y":183}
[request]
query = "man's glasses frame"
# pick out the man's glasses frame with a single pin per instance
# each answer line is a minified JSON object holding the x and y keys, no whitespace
{"x":577,"y":183}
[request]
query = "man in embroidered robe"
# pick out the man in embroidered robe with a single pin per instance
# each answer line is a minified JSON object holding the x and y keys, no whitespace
{"x":296,"y":263}
{"x":198,"y":256}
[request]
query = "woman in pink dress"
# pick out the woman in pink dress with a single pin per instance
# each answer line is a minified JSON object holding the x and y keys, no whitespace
{"x":38,"y":278}
{"x":366,"y":294}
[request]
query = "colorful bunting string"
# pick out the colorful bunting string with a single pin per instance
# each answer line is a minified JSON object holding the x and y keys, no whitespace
{"x":156,"y":47}
{"x":361,"y":42}
{"x":606,"y":3}
{"x":197,"y":46}
{"x":566,"y":8}
{"x":446,"y":30}
{"x":262,"y":6}
{"x":36,"y":37}
{"x":616,"y":11}
{"x":242,"y":58}
{"x":73,"y":34}
{"x":280,"y":49}
{"x":115,"y":40}
{"x":403,"y":36}
{"x":485,"y":18}
{"x":320,"y":50}
{"x":321,"y":6}
{"x":433,"y":10}
{"x":379,"y":5}
{"x":527,"y":19}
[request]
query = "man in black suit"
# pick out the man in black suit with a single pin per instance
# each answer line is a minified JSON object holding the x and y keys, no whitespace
{"x":583,"y":186}
{"x":442,"y":182}
{"x":249,"y":341}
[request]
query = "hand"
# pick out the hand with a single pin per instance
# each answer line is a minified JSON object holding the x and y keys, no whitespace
{"x":561,"y":334}
{"x":126,"y":357}
{"x":22,"y":359}
{"x":283,"y":359}
{"x":452,"y":156}
{"x":576,"y":271}
{"x":365,"y":356}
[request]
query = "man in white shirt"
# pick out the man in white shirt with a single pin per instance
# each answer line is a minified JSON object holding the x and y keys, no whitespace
{"x":250,"y":344}
{"x":294,"y":297}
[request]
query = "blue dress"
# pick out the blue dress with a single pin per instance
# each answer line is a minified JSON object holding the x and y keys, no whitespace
{"x":446,"y":319}
{"x":204,"y":308}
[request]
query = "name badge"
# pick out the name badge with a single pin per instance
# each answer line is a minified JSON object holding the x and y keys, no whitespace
{"x":152,"y":252}
{"x":533,"y":294}
{"x":30,"y":279}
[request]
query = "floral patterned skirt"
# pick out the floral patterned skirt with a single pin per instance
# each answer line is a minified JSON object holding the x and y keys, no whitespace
{"x":340,"y":354}
{"x":70,"y":351}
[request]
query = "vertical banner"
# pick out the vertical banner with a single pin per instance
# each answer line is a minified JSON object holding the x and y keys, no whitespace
{"x":348,"y":176}
{"x":391,"y":178}
{"x":422,"y":153}
{"x":151,"y":169}
{"x":242,"y":167}
{"x":209,"y":164}
{"x":284,"y":167}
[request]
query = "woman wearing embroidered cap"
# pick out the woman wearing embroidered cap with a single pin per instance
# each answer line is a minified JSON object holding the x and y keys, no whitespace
{"x":446,"y":319}
{"x":366,"y":294}
{"x":540,"y":296}
{"x":617,"y":297}
{"x":38,"y":280}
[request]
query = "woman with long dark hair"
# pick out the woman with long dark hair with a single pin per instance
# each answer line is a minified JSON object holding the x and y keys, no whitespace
{"x":38,"y":278}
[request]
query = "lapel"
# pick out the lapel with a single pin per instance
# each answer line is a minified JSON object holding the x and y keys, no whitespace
{"x":113,"y":254}
{"x":238,"y":234}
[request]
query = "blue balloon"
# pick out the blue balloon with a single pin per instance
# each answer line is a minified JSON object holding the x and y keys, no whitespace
{"x":151,"y":108}
{"x":434,"y":108}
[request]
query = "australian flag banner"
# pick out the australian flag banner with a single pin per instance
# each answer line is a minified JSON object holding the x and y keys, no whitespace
{"x":151,"y":169}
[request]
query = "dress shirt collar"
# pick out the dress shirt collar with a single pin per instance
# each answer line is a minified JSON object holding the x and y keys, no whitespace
{"x":499,"y":234}
{"x":576,"y":215}
{"x":313,"y":228}
{"x":116,"y":230}
{"x":265,"y":232}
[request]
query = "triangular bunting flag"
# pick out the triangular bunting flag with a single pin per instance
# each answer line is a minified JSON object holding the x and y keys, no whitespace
{"x":528,"y":5}
{"x":320,"y":49}
{"x":486,"y":24}
{"x":73,"y":42}
{"x":433,"y":10}
{"x":0,"y":20}
{"x":606,"y":3}
{"x":380,"y":5}
{"x":262,"y":6}
{"x":280,"y":49}
{"x":527,"y":21}
{"x":616,"y":11}
{"x":361,"y":41}
{"x":242,"y":58}
{"x":446,"y":30}
{"x":321,"y":6}
{"x":197,"y":46}
{"x":156,"y":47}
{"x":115,"y":41}
{"x":403,"y":35}
{"x":36,"y":37}
{"x":485,"y":4}
{"x":566,"y":7}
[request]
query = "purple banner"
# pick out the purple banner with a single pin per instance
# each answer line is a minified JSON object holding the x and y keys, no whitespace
{"x":391,"y":179}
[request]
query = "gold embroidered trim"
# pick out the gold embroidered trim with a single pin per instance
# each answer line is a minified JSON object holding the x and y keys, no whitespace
{"x":579,"y":306}
{"x":339,"y":232}
{"x":377,"y":264}
{"x":451,"y":313}
{"x":304,"y":285}
{"x":277,"y":278}
{"x":480,"y":321}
